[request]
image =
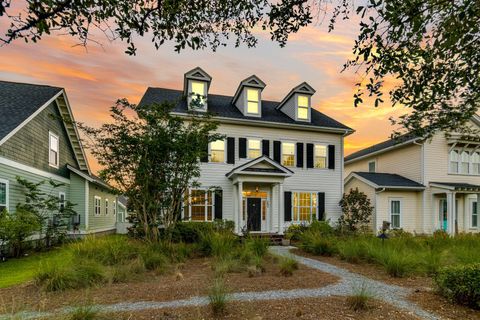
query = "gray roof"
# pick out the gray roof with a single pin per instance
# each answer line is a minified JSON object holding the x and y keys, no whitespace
{"x":220,"y":105}
{"x":403,"y":139}
{"x":458,"y":186}
{"x":389,"y":180}
{"x":18,"y":101}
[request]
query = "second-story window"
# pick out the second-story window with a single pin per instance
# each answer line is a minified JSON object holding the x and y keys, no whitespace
{"x":371,"y":166}
{"x":53,"y":147}
{"x":454,"y":159}
{"x":288,"y":154}
{"x":302,"y":107}
{"x":198,"y":93}
{"x":320,"y":156}
{"x":253,"y":101}
{"x":217,"y":151}
{"x":465,"y":162}
{"x":253,"y":148}
{"x":476,"y":163}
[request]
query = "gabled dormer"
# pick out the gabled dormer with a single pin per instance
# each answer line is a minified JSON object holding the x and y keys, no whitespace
{"x":195,"y":87}
{"x":298,"y":103}
{"x":248,"y":97}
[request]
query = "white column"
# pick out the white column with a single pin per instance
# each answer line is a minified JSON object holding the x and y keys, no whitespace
{"x":235,"y":206}
{"x":240,"y":207}
{"x":451,"y":212}
{"x":269,"y":209}
{"x":281,"y":211}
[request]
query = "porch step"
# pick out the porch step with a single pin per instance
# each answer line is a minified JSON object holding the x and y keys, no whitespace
{"x":275,"y":239}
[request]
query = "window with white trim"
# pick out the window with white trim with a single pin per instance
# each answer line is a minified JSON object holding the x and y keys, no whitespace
{"x":304,"y":206}
{"x":465,"y":162}
{"x":454,"y":160}
{"x":53,"y":147}
{"x":395,"y":212}
{"x":198,"y":93}
{"x":114,"y":208}
{"x":3,"y":194}
{"x":474,"y":221}
{"x":288,"y":154}
{"x":61,"y":201}
{"x":303,"y":104}
{"x":320,"y":152}
{"x":253,"y":101}
{"x":106,"y":207}
{"x":97,"y":205}
{"x":371,"y":166}
{"x":253,"y":148}
{"x":199,"y":205}
{"x":217,"y":151}
{"x":476,"y":163}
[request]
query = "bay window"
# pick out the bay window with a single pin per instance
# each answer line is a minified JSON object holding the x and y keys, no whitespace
{"x":288,"y":154}
{"x":253,"y":148}
{"x":199,"y":205}
{"x":217,"y":151}
{"x":304,"y":206}
{"x":320,"y":156}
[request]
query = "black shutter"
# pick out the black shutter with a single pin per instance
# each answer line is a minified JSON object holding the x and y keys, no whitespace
{"x":288,"y":205}
{"x":276,"y":151}
{"x":331,"y":156}
{"x":266,"y":148}
{"x":242,"y":147}
{"x":230,"y":150}
{"x":218,"y":204}
{"x":204,"y":157}
{"x":321,"y":206}
{"x":309,"y":155}
{"x":299,"y":155}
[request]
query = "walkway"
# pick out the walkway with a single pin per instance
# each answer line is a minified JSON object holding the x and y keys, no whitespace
{"x":392,"y":294}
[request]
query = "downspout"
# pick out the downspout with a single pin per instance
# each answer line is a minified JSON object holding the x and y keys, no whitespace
{"x":375,"y":213}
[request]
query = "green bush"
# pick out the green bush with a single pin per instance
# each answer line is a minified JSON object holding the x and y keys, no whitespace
{"x":154,"y":259}
{"x":257,"y":245}
{"x":192,"y":231}
{"x":396,"y":263}
{"x":322,"y":227}
{"x":16,"y":228}
{"x":461,"y":284}
{"x":218,"y":243}
{"x":352,"y":251}
{"x":56,"y":277}
{"x":316,"y":243}
{"x":287,"y":266}
{"x":294,"y":231}
{"x":107,"y":250}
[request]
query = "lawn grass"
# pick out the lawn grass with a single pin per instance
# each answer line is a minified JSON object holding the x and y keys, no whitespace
{"x":20,"y":270}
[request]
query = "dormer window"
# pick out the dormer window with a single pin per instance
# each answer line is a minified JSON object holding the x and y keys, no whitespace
{"x":198,"y":95}
{"x":302,"y":107}
{"x":253,"y":101}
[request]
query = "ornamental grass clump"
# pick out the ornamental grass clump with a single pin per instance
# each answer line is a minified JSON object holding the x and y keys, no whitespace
{"x":218,"y":297}
{"x":360,"y":298}
{"x":218,"y":243}
{"x":84,"y":313}
{"x":108,"y":251}
{"x":287,"y":265}
{"x":316,"y":243}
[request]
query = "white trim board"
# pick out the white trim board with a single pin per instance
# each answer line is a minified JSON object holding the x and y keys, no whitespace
{"x":32,"y":170}
{"x":33,"y":115}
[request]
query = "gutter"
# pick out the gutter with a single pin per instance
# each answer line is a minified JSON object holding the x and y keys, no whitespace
{"x":383,"y":150}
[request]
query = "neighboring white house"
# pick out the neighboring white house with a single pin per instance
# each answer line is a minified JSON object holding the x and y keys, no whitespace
{"x":281,"y":162}
{"x":421,"y":185}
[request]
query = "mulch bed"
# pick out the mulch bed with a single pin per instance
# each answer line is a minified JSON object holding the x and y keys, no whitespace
{"x":308,"y":308}
{"x":192,"y":278}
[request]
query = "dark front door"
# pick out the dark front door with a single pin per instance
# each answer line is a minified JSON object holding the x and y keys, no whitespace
{"x":254,"y":214}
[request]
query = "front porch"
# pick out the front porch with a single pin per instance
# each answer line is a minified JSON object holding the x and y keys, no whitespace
{"x":455,"y":207}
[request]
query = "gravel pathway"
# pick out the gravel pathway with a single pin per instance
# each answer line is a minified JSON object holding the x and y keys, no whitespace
{"x":392,"y":294}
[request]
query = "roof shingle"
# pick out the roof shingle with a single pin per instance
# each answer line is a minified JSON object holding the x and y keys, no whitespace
{"x":389,"y":180}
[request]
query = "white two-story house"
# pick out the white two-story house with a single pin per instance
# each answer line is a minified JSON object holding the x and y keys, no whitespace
{"x":421,"y":185}
{"x":280,"y":163}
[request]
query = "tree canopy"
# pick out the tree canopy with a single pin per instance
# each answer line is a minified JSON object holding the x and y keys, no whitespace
{"x":430,"y":47}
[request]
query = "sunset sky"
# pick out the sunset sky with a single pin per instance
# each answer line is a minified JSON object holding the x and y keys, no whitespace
{"x":94,"y":77}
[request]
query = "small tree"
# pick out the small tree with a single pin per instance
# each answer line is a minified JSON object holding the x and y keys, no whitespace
{"x":15,"y":229}
{"x":152,"y":157}
{"x":53,"y":214}
{"x":356,"y":210}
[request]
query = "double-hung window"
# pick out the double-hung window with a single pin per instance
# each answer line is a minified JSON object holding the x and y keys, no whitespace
{"x":475,"y":163}
{"x":114,"y":208}
{"x":288,"y":154}
{"x":61,"y":200}
{"x":106,"y":207}
{"x":198,"y":93}
{"x":474,"y":215}
{"x":199,"y":205}
{"x":3,"y":195}
{"x":320,"y":156}
{"x":253,"y":101}
{"x":371,"y":166}
{"x":465,"y":162}
{"x":454,"y":160}
{"x":53,"y":147}
{"x":217,"y":151}
{"x":302,"y":107}
{"x":395,"y":212}
{"x":97,"y":205}
{"x":304,"y":206}
{"x":253,"y":148}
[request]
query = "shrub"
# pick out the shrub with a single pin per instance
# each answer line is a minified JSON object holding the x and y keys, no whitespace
{"x":318,"y":244}
{"x":56,"y":277}
{"x":153,"y":259}
{"x":352,"y":251}
{"x":218,"y":296}
{"x":461,"y":284}
{"x":356,"y":211}
{"x":396,"y":263}
{"x":16,"y":228}
{"x":108,"y":250}
{"x":294,"y":231}
{"x":360,"y":298}
{"x":322,"y":227}
{"x":191,"y":232}
{"x":257,"y":245}
{"x":218,"y":243}
{"x":288,"y":266}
